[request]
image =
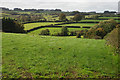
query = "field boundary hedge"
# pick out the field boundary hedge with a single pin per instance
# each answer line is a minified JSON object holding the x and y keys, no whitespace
{"x":69,"y":22}
{"x":27,"y":31}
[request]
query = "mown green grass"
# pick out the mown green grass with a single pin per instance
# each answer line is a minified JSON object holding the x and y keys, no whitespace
{"x":26,"y":56}
{"x":80,"y":24}
{"x":54,"y":30}
{"x":33,"y":25}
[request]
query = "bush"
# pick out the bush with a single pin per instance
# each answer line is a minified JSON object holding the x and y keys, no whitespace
{"x":78,"y":35}
{"x":97,"y":37}
{"x":100,"y":32}
{"x":45,"y":32}
{"x":118,"y":26}
{"x":73,"y":33}
{"x":56,"y":34}
{"x":101,"y":29}
{"x":64,"y":31}
{"x":11,"y":25}
{"x":81,"y":33}
{"x":107,"y":25}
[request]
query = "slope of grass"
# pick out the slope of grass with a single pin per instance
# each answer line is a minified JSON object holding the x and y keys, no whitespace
{"x":27,"y":56}
{"x":33,"y":25}
{"x":113,"y":38}
{"x":54,"y":30}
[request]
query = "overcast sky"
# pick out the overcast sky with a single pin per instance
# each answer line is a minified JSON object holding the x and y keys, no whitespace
{"x":59,"y":0}
{"x":66,"y":5}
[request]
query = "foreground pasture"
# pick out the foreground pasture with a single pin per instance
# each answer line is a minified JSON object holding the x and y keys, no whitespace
{"x":27,"y":56}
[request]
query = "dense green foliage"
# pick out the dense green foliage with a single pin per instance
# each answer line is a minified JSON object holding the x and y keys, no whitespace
{"x":107,"y":25}
{"x":64,"y":31}
{"x":26,"y":56}
{"x":81,"y":33}
{"x":45,"y":32}
{"x":101,"y":29}
{"x":10,"y":25}
{"x":62,"y":17}
{"x":77,"y":17}
{"x":100,"y":32}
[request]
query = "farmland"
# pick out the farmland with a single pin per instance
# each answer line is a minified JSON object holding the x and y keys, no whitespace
{"x":56,"y":44}
{"x":48,"y":57}
{"x":33,"y":25}
{"x":108,"y":17}
{"x":80,"y":24}
{"x":54,"y":30}
{"x":98,"y":20}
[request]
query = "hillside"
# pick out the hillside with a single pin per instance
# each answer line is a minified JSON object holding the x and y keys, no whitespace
{"x":113,"y":38}
{"x":27,"y":56}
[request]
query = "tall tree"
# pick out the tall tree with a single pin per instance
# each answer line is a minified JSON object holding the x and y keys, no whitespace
{"x":77,"y":17}
{"x":11,"y":25}
{"x":64,"y":31}
{"x":62,"y":17}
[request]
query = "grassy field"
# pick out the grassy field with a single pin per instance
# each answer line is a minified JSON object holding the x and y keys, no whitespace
{"x":95,"y":20}
{"x":33,"y":25}
{"x":80,"y":24}
{"x":27,"y":56}
{"x":54,"y":30}
{"x":108,"y":17}
{"x":90,"y":20}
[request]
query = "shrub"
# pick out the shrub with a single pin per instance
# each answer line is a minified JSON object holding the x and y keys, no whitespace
{"x":64,"y":31}
{"x":81,"y":33}
{"x":118,"y":26}
{"x":97,"y":37}
{"x":101,"y":29}
{"x":11,"y":25}
{"x":45,"y":32}
{"x":78,"y":35}
{"x":73,"y":33}
{"x":100,"y":32}
{"x":107,"y":25}
{"x":57,"y":34}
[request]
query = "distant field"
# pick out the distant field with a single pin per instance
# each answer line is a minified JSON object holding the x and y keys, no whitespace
{"x":80,"y":24}
{"x":33,"y":25}
{"x":69,"y":17}
{"x":54,"y":30}
{"x":95,"y":21}
{"x":91,"y":20}
{"x":108,"y":17}
{"x":27,"y":56}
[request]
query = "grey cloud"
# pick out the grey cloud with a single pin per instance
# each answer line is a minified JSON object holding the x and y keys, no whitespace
{"x":67,"y":6}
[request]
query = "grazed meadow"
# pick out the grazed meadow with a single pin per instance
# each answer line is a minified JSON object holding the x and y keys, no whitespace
{"x":47,"y":57}
{"x":31,"y":55}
